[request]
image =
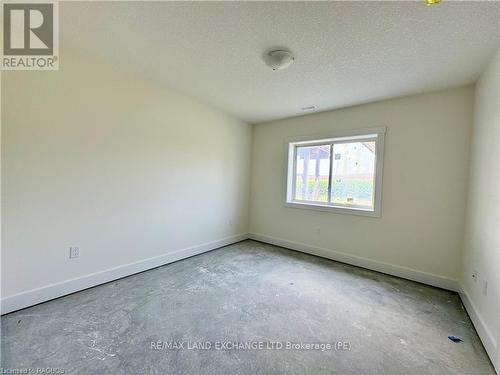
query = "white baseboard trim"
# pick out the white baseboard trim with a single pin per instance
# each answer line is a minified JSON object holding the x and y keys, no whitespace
{"x":46,"y":293}
{"x":390,"y":269}
{"x":486,"y":336}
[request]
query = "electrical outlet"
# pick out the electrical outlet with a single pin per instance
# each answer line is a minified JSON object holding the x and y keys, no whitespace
{"x":74,"y":252}
{"x":485,"y":288}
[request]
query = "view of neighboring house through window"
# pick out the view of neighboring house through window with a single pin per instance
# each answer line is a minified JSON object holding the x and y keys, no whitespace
{"x":353,"y":173}
{"x":312,"y":173}
{"x":336,"y":172}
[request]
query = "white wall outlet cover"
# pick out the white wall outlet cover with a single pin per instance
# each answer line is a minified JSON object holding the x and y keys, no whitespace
{"x":74,"y":252}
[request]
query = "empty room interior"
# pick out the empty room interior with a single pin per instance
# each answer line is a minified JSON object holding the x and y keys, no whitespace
{"x":244,"y":187}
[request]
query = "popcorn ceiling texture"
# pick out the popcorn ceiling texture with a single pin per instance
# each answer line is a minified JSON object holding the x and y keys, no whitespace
{"x":346,"y":53}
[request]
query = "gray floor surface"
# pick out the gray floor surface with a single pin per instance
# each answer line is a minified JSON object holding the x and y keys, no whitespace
{"x":242,"y":302}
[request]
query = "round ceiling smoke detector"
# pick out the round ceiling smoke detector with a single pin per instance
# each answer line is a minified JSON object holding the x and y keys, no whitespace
{"x":278,"y":59}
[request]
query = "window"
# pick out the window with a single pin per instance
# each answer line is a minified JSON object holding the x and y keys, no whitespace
{"x":340,"y":173}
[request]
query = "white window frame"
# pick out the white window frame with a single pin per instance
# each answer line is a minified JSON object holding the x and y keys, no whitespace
{"x":372,"y":134}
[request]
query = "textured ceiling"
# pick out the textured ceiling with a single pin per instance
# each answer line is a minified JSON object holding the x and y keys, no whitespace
{"x":347,"y":53}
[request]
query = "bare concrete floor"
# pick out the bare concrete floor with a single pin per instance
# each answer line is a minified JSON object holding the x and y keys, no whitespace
{"x":248,"y":293}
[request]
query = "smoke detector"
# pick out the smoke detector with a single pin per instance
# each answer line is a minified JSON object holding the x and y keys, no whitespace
{"x":278,"y":59}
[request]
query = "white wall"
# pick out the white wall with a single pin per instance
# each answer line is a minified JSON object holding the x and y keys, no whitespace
{"x":94,"y":157}
{"x":420,"y":233}
{"x":482,"y":235}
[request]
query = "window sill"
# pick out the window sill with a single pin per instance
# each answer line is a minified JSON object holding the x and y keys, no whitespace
{"x":334,"y":209}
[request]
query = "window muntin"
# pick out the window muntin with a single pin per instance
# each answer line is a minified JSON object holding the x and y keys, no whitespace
{"x":336,"y":173}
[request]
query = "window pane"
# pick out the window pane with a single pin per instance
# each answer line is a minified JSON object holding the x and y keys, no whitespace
{"x":312,"y":168}
{"x":353,"y":174}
